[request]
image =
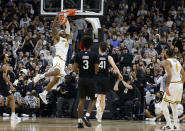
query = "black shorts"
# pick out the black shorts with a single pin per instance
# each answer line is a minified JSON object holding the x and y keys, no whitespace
{"x":86,"y":88}
{"x":102,"y":84}
{"x":4,"y":90}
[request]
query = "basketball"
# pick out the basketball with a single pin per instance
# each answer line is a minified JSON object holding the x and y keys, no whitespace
{"x":62,"y":20}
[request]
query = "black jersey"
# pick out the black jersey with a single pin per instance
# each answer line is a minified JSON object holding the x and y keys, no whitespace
{"x":103,"y":65}
{"x":86,"y":61}
{"x":1,"y":73}
{"x":4,"y":89}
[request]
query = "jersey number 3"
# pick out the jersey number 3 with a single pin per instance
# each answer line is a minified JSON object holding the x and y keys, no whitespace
{"x":85,"y":64}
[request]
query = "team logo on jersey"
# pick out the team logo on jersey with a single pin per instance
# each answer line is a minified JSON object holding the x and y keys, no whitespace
{"x":66,"y":45}
{"x":64,"y":41}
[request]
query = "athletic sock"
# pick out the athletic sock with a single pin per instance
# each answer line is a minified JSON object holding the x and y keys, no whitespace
{"x":166,"y":113}
{"x":87,"y":114}
{"x":42,"y":76}
{"x":80,"y":120}
{"x":13,"y":114}
{"x":175,"y":113}
{"x":45,"y":92}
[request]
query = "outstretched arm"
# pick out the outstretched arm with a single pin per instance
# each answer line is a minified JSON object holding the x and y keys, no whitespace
{"x":183,"y":75}
{"x":67,"y":28}
{"x":111,"y":61}
{"x":167,"y":66}
{"x":54,"y":31}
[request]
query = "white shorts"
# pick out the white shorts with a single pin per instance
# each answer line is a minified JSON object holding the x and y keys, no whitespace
{"x":176,"y":91}
{"x":60,"y":64}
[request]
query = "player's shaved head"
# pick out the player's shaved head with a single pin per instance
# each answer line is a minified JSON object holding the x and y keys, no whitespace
{"x":87,"y":41}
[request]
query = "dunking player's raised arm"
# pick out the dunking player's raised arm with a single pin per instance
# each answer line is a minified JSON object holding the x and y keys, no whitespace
{"x":54,"y":30}
{"x":167,"y":66}
{"x":183,"y":75}
{"x":67,"y":29}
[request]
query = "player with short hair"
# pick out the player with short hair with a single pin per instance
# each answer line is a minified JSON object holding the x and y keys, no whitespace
{"x":61,"y":44}
{"x":174,"y":89}
{"x":102,"y":79}
{"x":86,"y":64}
{"x":4,"y":90}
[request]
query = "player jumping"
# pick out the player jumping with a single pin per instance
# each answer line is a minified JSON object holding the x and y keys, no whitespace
{"x":61,"y":44}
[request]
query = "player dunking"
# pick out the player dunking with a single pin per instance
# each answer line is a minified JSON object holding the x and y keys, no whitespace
{"x":61,"y":45}
{"x":174,"y":89}
{"x":86,"y":64}
{"x":4,"y":90}
{"x":102,"y":79}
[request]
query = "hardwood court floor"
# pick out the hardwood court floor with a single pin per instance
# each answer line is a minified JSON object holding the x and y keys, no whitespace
{"x":52,"y":124}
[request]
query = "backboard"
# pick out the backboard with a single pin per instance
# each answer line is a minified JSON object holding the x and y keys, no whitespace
{"x":91,"y":8}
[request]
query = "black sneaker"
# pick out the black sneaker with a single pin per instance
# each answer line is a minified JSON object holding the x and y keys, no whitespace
{"x":176,"y":128}
{"x":165,"y":128}
{"x":80,"y":125}
{"x":86,"y":120}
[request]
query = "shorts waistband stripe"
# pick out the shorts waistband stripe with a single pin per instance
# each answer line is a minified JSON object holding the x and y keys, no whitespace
{"x":176,"y":82}
{"x":166,"y":100}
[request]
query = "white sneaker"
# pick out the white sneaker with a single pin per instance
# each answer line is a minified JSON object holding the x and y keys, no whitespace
{"x":38,"y":77}
{"x":15,"y":117}
{"x":99,"y":117}
{"x":152,"y":119}
{"x":43,"y":98}
{"x":98,"y":128}
{"x":25,"y":115}
{"x":6,"y":115}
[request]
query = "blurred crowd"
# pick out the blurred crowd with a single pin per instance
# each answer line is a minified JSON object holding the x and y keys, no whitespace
{"x":137,"y":33}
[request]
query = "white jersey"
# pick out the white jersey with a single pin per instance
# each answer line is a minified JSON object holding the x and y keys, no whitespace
{"x":62,"y":48}
{"x":176,"y":70}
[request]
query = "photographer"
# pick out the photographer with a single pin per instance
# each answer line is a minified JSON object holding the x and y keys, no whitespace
{"x":129,"y":98}
{"x":30,"y":103}
{"x":154,"y":112}
{"x":66,"y":96}
{"x":18,"y":103}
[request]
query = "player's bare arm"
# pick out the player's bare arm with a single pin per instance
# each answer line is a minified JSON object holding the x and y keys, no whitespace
{"x":116,"y":85}
{"x":75,"y":68}
{"x":111,"y":61}
{"x":96,"y":67}
{"x":54,"y":31}
{"x":5,"y":70}
{"x":183,"y":75}
{"x":167,"y":66}
{"x":68,"y":36}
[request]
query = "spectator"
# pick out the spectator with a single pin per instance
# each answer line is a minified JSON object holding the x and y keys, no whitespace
{"x":66,"y":96}
{"x":114,"y":41}
{"x":130,"y":98}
